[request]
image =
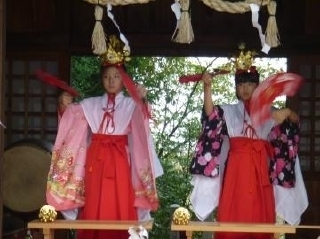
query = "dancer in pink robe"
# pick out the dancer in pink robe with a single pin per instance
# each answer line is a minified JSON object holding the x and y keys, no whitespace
{"x":103,"y":160}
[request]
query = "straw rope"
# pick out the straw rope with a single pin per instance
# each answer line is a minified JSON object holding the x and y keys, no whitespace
{"x":272,"y":37}
{"x":272,"y":33}
{"x":98,"y":38}
{"x":233,"y":7}
{"x":117,"y":2}
{"x":184,"y":32}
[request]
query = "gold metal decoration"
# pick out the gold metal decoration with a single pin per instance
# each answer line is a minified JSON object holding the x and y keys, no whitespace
{"x":47,"y":213}
{"x":116,"y":53}
{"x":181,"y":216}
{"x":245,"y":59}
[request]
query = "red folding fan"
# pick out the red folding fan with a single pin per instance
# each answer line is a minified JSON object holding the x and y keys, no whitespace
{"x":275,"y":85}
{"x":55,"y":81}
{"x":197,"y":77}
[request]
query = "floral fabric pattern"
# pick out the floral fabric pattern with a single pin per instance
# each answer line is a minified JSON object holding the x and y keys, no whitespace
{"x":65,"y":183}
{"x":285,"y":140}
{"x":205,"y":160}
{"x":62,"y":180}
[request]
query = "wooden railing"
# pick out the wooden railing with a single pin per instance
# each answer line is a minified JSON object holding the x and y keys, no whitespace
{"x":49,"y":227}
{"x":194,"y":226}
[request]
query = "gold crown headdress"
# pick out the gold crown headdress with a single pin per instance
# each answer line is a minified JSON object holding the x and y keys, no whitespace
{"x":241,"y":62}
{"x":244,"y":60}
{"x":117,"y":52}
{"x":243,"y":66}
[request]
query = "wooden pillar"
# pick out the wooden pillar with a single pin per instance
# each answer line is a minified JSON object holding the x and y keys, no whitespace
{"x":2,"y":96}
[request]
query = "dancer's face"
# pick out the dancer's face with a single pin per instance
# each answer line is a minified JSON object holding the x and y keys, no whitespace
{"x":245,"y":90}
{"x":112,"y":80}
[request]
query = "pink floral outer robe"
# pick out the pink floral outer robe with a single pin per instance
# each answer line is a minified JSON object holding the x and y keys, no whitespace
{"x":65,"y":187}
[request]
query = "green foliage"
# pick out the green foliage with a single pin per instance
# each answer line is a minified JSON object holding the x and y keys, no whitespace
{"x":85,"y":75}
{"x":176,"y":118}
{"x":174,"y":187}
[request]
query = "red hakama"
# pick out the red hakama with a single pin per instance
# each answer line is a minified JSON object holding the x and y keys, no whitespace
{"x":247,"y":193}
{"x":109,"y":194}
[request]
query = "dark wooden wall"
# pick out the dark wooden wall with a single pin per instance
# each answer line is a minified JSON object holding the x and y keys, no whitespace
{"x":67,"y":25}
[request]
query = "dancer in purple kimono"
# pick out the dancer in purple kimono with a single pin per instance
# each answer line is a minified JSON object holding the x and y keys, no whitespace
{"x":249,"y":174}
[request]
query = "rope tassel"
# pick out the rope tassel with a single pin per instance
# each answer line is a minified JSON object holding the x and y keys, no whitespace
{"x":98,"y":39}
{"x":183,"y":32}
{"x":272,"y":33}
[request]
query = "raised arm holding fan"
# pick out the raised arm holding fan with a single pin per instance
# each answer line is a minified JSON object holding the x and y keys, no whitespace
{"x":251,"y":173}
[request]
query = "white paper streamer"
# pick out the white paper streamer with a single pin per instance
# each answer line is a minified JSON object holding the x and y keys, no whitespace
{"x":176,"y":8}
{"x":133,"y":234}
{"x":255,"y":23}
{"x":142,"y":233}
{"x":122,"y":37}
{"x":2,"y":124}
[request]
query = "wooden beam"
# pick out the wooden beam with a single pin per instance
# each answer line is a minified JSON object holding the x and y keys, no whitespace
{"x":195,"y":226}
{"x":234,"y":227}
{"x":161,"y":44}
{"x":49,"y":227}
{"x":91,"y":224}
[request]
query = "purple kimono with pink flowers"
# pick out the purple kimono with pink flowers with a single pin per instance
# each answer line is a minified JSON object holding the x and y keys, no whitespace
{"x":284,"y":139}
{"x":208,"y":162}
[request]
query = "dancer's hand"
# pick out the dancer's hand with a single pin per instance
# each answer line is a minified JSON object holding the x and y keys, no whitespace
{"x":281,"y":115}
{"x":207,"y":79}
{"x":142,"y":91}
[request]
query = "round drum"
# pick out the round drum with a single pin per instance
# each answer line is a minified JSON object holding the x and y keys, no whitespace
{"x":25,"y":169}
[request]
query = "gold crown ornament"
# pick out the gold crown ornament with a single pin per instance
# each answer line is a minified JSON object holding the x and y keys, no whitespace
{"x":181,"y":216}
{"x":241,"y":62}
{"x":245,"y":59}
{"x":117,"y":52}
{"x":47,"y":213}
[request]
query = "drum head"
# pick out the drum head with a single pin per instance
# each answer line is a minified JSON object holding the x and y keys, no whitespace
{"x":25,"y":169}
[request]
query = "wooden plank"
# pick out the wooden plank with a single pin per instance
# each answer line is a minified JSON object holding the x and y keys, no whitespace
{"x":49,"y":227}
{"x":308,"y":227}
{"x":48,"y":233}
{"x":90,"y":224}
{"x":234,"y":227}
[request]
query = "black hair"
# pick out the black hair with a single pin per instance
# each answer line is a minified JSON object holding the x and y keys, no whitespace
{"x":104,"y":67}
{"x":243,"y":76}
{"x":247,"y":76}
